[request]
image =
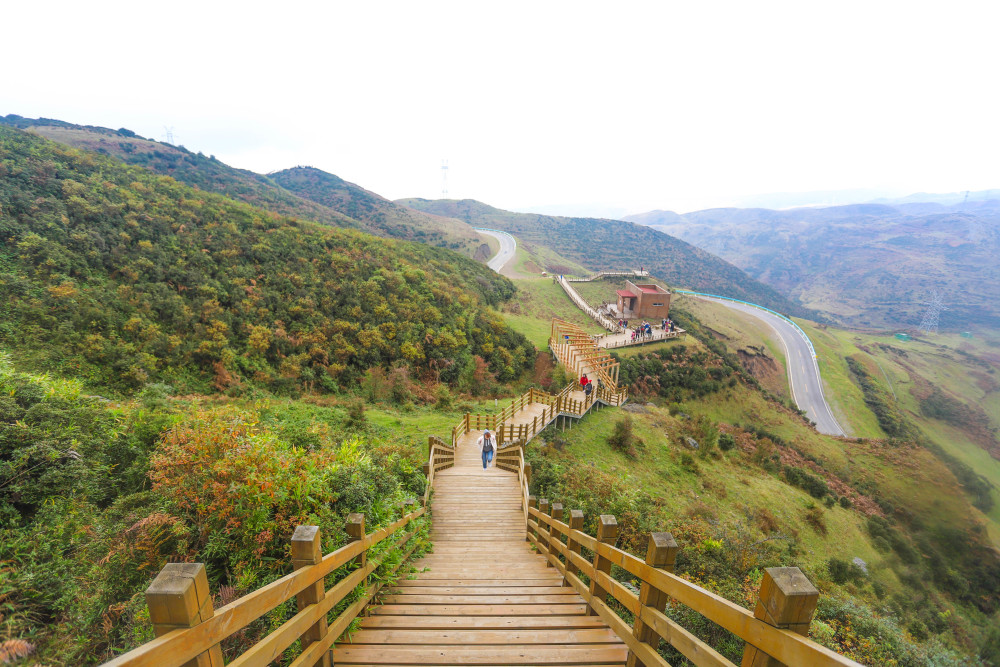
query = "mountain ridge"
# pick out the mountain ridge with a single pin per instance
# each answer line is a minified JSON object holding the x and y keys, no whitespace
{"x":376,"y":215}
{"x":870,"y":264}
{"x":597,"y":244}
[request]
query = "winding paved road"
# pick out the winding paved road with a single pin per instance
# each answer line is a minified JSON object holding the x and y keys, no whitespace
{"x":507,"y":247}
{"x":803,"y":371}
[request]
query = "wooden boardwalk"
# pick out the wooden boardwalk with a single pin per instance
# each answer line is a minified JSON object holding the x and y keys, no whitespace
{"x":484,"y":597}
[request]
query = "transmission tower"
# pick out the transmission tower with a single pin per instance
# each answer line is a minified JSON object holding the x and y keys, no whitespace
{"x":444,"y":177}
{"x":169,"y":134}
{"x":934,"y":307}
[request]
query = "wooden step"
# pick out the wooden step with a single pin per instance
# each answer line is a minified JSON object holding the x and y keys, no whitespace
{"x":563,"y":609}
{"x":370,"y":654}
{"x":444,"y":622}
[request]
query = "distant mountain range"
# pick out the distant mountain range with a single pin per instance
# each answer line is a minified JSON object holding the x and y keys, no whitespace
{"x":598,"y":243}
{"x":864,"y":264}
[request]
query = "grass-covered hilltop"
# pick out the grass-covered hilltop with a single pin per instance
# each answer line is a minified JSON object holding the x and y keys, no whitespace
{"x":194,"y":360}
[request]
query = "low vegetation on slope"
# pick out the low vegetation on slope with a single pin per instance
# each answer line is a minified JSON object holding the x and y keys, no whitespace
{"x":379,"y":215}
{"x":613,"y":244}
{"x":95,"y":497}
{"x":123,"y":277}
{"x":905,"y":567}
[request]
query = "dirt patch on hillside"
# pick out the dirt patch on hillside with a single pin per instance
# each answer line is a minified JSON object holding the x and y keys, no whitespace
{"x":542,"y":373}
{"x":531,"y":267}
{"x":483,"y":253}
{"x":763,"y":367}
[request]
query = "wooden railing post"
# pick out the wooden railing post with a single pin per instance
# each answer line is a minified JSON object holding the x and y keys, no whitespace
{"x":543,"y":507}
{"x":307,"y":551}
{"x":607,"y":532}
{"x":557,"y":515}
{"x":787,"y":599}
{"x":532,"y":502}
{"x":527,"y":473}
{"x":575,"y":523}
{"x":356,"y":531}
{"x":661,"y":553}
{"x":179,"y":598}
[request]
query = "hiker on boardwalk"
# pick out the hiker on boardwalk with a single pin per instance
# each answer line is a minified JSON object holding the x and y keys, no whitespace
{"x":584,"y":381}
{"x":488,"y":446}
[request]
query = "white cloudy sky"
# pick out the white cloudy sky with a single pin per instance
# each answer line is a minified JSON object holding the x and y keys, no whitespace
{"x":627,"y":105}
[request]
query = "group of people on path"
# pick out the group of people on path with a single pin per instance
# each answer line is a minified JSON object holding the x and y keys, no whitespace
{"x":644,"y":330}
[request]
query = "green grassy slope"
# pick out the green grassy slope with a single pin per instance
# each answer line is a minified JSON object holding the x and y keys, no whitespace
{"x":379,"y":215}
{"x":613,"y":244}
{"x":906,"y":515}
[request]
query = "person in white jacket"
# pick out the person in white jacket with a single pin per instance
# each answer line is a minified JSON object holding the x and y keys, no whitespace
{"x":488,"y":446}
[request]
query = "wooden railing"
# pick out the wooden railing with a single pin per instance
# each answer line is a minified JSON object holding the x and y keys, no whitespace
{"x":189,"y":631}
{"x":575,"y":297}
{"x":559,"y":405}
{"x":633,"y":273}
{"x":658,"y":335}
{"x":577,"y":351}
{"x":439,"y":457}
{"x":775,"y":631}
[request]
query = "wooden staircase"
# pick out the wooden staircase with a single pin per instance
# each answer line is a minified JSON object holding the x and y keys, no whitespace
{"x":506,"y":584}
{"x":484,"y":596}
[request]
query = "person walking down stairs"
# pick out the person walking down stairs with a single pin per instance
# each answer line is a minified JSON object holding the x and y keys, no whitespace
{"x":487,"y":445}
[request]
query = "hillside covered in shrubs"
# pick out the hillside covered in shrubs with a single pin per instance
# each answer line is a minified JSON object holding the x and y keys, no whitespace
{"x":122,"y":277}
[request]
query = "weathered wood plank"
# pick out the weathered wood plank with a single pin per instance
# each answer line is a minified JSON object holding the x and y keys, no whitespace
{"x":482,"y":637}
{"x":567,"y":609}
{"x":465,"y":622}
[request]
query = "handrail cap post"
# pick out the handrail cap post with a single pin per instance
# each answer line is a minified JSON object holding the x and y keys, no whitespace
{"x":544,"y":532}
{"x":307,"y":550}
{"x":607,"y":532}
{"x":556,"y":513}
{"x":787,"y":599}
{"x":660,"y":553}
{"x":178,"y":598}
{"x":355,"y":532}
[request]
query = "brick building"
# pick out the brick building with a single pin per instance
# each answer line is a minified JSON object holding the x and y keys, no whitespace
{"x":643,"y":301}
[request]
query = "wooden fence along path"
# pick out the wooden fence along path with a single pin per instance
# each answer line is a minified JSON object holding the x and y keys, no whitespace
{"x":512,"y":580}
{"x":582,"y":304}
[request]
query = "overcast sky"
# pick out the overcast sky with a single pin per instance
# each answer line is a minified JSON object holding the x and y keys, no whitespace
{"x":630,"y":106}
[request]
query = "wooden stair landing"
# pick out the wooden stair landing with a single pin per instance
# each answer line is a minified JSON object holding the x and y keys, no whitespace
{"x":484,"y":597}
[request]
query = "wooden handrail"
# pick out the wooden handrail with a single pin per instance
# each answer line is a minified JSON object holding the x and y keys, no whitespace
{"x":177,"y":647}
{"x":782,"y":644}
